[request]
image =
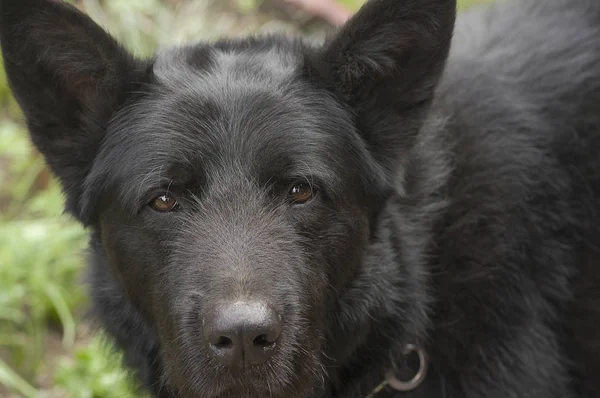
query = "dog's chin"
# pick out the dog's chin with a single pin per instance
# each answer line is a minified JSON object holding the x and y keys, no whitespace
{"x":262,"y":388}
{"x":251,"y":385}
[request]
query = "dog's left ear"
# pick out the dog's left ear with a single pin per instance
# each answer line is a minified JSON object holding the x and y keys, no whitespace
{"x":386,"y":61}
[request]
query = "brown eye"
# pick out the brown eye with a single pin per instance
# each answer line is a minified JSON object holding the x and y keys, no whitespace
{"x":163,"y":203}
{"x":301,"y":193}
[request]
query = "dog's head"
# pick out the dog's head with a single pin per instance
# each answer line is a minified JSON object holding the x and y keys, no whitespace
{"x":234,"y":186}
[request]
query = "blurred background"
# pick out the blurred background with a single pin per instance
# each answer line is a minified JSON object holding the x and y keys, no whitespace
{"x":47,"y":346}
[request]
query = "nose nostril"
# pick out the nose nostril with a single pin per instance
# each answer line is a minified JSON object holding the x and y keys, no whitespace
{"x":242,"y":333}
{"x":263,"y":341}
{"x":223,"y":343}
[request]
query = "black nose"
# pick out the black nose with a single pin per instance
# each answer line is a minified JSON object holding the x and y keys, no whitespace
{"x":243,"y":333}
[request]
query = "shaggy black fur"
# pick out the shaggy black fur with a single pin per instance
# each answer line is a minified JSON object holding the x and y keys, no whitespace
{"x":456,"y":193}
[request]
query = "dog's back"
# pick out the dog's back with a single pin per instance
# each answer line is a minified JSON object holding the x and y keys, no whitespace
{"x":545,"y":54}
{"x":522,"y":96}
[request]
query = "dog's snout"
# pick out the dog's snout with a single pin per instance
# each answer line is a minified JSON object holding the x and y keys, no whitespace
{"x":243,"y":333}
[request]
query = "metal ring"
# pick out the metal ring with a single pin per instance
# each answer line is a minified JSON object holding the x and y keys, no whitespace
{"x":419,"y":377}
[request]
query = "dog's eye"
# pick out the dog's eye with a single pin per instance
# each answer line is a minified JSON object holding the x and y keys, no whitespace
{"x":301,"y":193}
{"x":164,"y":203}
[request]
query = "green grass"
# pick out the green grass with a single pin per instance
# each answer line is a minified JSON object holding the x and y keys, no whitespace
{"x":46,"y":349}
{"x":43,"y":346}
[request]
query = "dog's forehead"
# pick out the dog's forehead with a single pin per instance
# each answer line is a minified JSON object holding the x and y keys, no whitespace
{"x":220,"y":64}
{"x":237,"y":98}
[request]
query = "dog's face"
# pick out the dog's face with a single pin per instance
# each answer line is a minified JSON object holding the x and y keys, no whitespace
{"x":233,"y":186}
{"x":226,"y":188}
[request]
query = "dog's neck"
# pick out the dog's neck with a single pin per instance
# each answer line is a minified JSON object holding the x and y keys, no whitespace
{"x":389,"y":289}
{"x":393,"y":284}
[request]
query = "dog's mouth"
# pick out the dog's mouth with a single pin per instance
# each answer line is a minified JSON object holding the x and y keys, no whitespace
{"x":255,"y":387}
{"x":286,"y":365}
{"x":294,"y":378}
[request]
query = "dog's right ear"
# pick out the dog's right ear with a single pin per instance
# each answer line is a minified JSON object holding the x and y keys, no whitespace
{"x":385,"y":62}
{"x":68,"y":75}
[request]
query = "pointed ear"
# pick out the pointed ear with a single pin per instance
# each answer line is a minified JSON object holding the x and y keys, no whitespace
{"x":385,"y":62}
{"x":68,"y":75}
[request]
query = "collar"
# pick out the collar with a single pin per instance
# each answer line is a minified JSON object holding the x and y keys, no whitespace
{"x":413,"y":376}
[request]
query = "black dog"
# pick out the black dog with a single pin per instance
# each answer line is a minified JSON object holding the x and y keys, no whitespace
{"x":275,"y":219}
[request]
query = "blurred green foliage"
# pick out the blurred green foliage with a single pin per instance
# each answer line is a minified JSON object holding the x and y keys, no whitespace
{"x":46,"y":349}
{"x":93,"y":372}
